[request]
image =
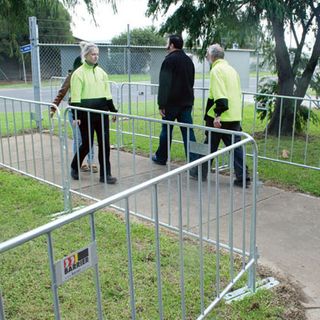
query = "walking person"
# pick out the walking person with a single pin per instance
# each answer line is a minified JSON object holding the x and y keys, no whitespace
{"x":223,"y":111}
{"x":90,"y":89}
{"x":175,"y":97}
{"x":76,"y":134}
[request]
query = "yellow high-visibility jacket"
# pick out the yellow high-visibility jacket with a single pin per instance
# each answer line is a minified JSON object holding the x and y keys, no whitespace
{"x":225,"y":91}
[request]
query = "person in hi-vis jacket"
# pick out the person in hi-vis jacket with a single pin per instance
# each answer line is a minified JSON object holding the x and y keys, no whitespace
{"x":223,"y":110}
{"x":90,"y":89}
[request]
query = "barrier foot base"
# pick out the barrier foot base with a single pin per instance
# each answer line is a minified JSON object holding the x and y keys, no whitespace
{"x":239,"y":294}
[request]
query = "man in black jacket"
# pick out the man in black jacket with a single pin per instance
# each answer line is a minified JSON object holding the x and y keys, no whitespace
{"x":175,"y":96}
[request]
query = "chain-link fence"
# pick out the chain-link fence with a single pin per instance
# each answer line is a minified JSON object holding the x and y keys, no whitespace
{"x":120,"y":62}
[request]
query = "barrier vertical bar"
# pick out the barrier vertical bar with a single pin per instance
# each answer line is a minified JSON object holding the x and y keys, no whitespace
{"x":183,"y":304}
{"x":65,"y":177}
{"x":201,"y":240}
{"x":96,"y":270}
{"x":54,"y":286}
{"x":8,"y":132}
{"x":130,"y":267}
{"x":253,"y":223}
{"x":230,"y":218}
{"x":307,"y":134}
{"x":15,"y":132}
{"x":217,"y":192}
{"x":155,"y":214}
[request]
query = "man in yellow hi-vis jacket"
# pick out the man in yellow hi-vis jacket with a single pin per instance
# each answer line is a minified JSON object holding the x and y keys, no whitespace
{"x":224,"y":109}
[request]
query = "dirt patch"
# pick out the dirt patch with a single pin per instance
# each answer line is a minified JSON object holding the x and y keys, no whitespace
{"x":287,"y":294}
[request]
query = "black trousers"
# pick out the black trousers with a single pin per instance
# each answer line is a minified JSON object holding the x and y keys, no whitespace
{"x":91,"y":123}
{"x":215,"y":139}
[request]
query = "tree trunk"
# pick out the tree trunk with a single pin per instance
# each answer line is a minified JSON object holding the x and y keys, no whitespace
{"x":283,"y":115}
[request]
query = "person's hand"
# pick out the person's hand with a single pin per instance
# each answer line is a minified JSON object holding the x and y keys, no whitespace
{"x":162,"y":112}
{"x":216,"y":122}
{"x":76,"y":122}
{"x":52,"y":112}
{"x":114,"y":118}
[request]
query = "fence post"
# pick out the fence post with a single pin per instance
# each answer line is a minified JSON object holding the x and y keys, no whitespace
{"x":35,"y":67}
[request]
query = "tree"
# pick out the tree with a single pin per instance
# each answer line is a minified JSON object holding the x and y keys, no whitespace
{"x":140,"y":57}
{"x":209,"y":21}
{"x":15,"y":30}
{"x":14,"y":19}
{"x":140,"y":37}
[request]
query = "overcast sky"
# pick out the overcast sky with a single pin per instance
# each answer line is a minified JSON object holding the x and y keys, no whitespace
{"x":109,"y":24}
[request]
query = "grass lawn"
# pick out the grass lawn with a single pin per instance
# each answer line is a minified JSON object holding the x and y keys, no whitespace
{"x":119,"y":78}
{"x":24,"y":271}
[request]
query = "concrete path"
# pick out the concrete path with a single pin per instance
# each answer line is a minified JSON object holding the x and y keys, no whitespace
{"x":288,"y":223}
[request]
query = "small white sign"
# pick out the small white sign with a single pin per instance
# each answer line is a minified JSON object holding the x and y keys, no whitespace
{"x":76,"y":263}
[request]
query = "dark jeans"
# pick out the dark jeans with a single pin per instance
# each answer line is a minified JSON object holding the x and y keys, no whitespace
{"x":216,"y":137}
{"x":183,"y":116}
{"x":103,"y":141}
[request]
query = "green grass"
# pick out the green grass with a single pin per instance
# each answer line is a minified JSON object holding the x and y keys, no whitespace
{"x":119,"y":78}
{"x":262,"y":74}
{"x":24,"y":271}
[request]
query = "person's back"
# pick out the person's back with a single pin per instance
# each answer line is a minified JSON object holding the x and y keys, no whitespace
{"x":182,"y":81}
{"x":175,"y":97}
{"x":225,"y":84}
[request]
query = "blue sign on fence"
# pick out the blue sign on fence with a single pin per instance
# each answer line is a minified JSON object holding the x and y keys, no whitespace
{"x":26,"y":48}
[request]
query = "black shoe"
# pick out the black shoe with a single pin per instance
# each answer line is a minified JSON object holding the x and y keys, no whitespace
{"x":110,"y":179}
{"x":157,"y":161}
{"x":74,"y":174}
{"x":239,"y":182}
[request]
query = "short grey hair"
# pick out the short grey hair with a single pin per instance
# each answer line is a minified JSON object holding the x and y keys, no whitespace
{"x":216,"y":51}
{"x":86,"y":48}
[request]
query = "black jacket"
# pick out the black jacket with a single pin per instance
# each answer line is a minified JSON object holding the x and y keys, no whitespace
{"x":176,"y":82}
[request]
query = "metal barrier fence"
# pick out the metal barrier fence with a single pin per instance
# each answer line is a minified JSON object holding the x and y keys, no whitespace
{"x":170,"y":199}
{"x":28,"y":141}
{"x":299,"y":149}
{"x":223,"y":227}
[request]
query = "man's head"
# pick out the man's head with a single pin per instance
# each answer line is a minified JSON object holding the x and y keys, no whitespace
{"x":175,"y":42}
{"x":215,"y":52}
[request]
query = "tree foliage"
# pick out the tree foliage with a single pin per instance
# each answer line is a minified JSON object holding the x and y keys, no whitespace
{"x":14,"y":15}
{"x":140,"y":37}
{"x":224,"y":21}
{"x":14,"y":23}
